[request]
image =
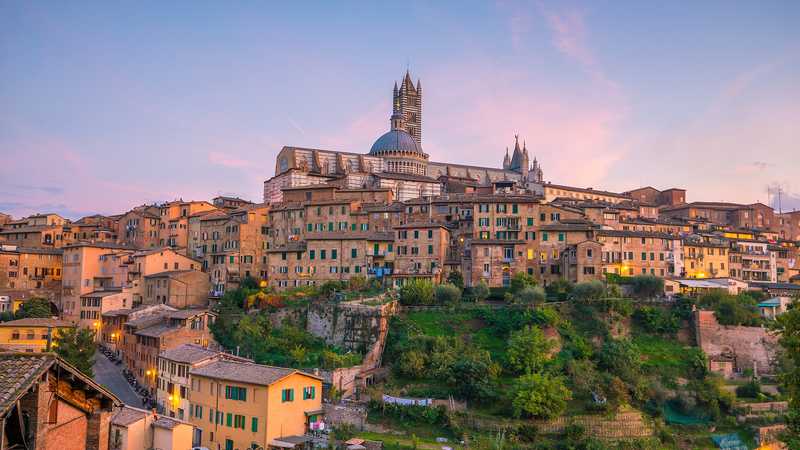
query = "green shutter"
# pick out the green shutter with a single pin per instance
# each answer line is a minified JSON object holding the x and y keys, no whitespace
{"x":254,"y":425}
{"x":211,"y":415}
{"x":229,"y":420}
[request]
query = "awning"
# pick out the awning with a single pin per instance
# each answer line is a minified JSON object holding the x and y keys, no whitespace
{"x":315,"y":412}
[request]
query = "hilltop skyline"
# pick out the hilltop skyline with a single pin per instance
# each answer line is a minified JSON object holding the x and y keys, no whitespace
{"x":113,"y":106}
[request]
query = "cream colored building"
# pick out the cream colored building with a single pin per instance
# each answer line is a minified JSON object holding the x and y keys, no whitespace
{"x":138,"y":429}
{"x":238,"y":405}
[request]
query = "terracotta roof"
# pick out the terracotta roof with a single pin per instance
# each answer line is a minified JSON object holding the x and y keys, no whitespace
{"x":168,"y":422}
{"x":37,"y":322}
{"x":169,"y":273}
{"x":156,"y":330}
{"x":187,"y":313}
{"x":128,"y":415}
{"x":188,"y":353}
{"x":17,"y":372}
{"x":245,"y":372}
{"x":420,"y":225}
{"x":349,"y":235}
{"x":643,"y":234}
{"x":585,"y":190}
{"x":406,"y":177}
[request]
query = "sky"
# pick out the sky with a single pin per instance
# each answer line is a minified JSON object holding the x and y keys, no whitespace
{"x":108,"y":105}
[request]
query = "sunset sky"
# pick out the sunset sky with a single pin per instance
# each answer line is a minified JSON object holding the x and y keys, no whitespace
{"x":105,"y":105}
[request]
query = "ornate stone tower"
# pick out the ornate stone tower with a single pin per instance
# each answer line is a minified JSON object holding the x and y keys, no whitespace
{"x":407,"y":101}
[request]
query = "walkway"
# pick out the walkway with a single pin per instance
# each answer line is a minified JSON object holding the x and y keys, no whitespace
{"x":110,"y":375}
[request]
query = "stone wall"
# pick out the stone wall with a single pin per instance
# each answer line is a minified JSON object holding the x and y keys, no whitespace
{"x":748,"y":347}
{"x":350,"y":325}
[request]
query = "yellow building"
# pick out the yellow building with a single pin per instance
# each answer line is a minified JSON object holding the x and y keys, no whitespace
{"x":704,"y":259}
{"x":245,"y":405}
{"x":30,"y":335}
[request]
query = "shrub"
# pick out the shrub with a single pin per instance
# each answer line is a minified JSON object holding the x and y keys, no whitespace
{"x":657,"y":320}
{"x":358,"y":283}
{"x":560,"y":289}
{"x":530,"y":295}
{"x":417,"y":292}
{"x":480,"y":291}
{"x":447,"y":294}
{"x":520,"y":281}
{"x":588,"y":290}
{"x":474,"y":376}
{"x":749,"y":390}
{"x":412,"y":364}
{"x":529,"y":350}
{"x":456,"y":278}
{"x":647,"y":286}
{"x":541,"y":396}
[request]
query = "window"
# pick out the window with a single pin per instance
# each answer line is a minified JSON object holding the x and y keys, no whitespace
{"x":333,"y":253}
{"x":430,"y":234}
{"x":229,"y":420}
{"x":354,"y":253}
{"x":322,"y":254}
{"x":561,"y":237}
{"x":430,"y":249}
{"x":198,"y":411}
{"x":545,"y":236}
{"x":287,"y":395}
{"x":239,"y":421}
{"x":236,"y":393}
{"x":311,"y":254}
{"x":308,"y":393}
{"x":254,"y":425}
{"x":530,"y":221}
{"x":416,"y":234}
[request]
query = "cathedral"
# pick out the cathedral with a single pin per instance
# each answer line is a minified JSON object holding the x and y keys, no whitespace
{"x":396,"y":161}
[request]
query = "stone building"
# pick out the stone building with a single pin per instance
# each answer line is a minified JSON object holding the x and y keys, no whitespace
{"x":420,"y":251}
{"x":231,"y":245}
{"x":46,"y":404}
{"x":177,"y":288}
{"x":629,"y":253}
{"x":396,"y":161}
{"x":143,"y":339}
{"x":30,"y":267}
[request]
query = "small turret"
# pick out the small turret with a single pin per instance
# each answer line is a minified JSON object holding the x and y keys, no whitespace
{"x":506,"y":161}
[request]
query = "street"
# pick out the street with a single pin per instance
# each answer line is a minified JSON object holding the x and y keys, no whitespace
{"x":110,"y":375}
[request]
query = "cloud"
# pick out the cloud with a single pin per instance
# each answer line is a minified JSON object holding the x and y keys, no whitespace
{"x":225,"y":160}
{"x":569,"y":34}
{"x":26,"y":187}
{"x":753,"y":167}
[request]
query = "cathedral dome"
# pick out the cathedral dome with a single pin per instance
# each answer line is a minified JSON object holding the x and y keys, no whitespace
{"x":395,"y":140}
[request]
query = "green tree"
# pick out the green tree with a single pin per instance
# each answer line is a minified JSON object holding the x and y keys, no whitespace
{"x":474,"y":376}
{"x":530,"y":295}
{"x":788,"y":325}
{"x":35,"y":307}
{"x":539,"y":395}
{"x":456,"y":278}
{"x":560,"y":288}
{"x":529,"y":350}
{"x":620,"y":357}
{"x":520,"y":281}
{"x":358,"y":282}
{"x":417,"y":292}
{"x":447,"y":294}
{"x":480,"y":291}
{"x":588,"y":290}
{"x":76,"y":346}
{"x":647,"y":286}
{"x":412,"y":364}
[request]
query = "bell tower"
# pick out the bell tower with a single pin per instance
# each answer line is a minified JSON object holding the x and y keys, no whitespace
{"x":407,"y":100}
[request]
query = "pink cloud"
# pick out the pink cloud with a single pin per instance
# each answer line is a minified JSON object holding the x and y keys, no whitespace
{"x":226,"y":160}
{"x":569,"y":34}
